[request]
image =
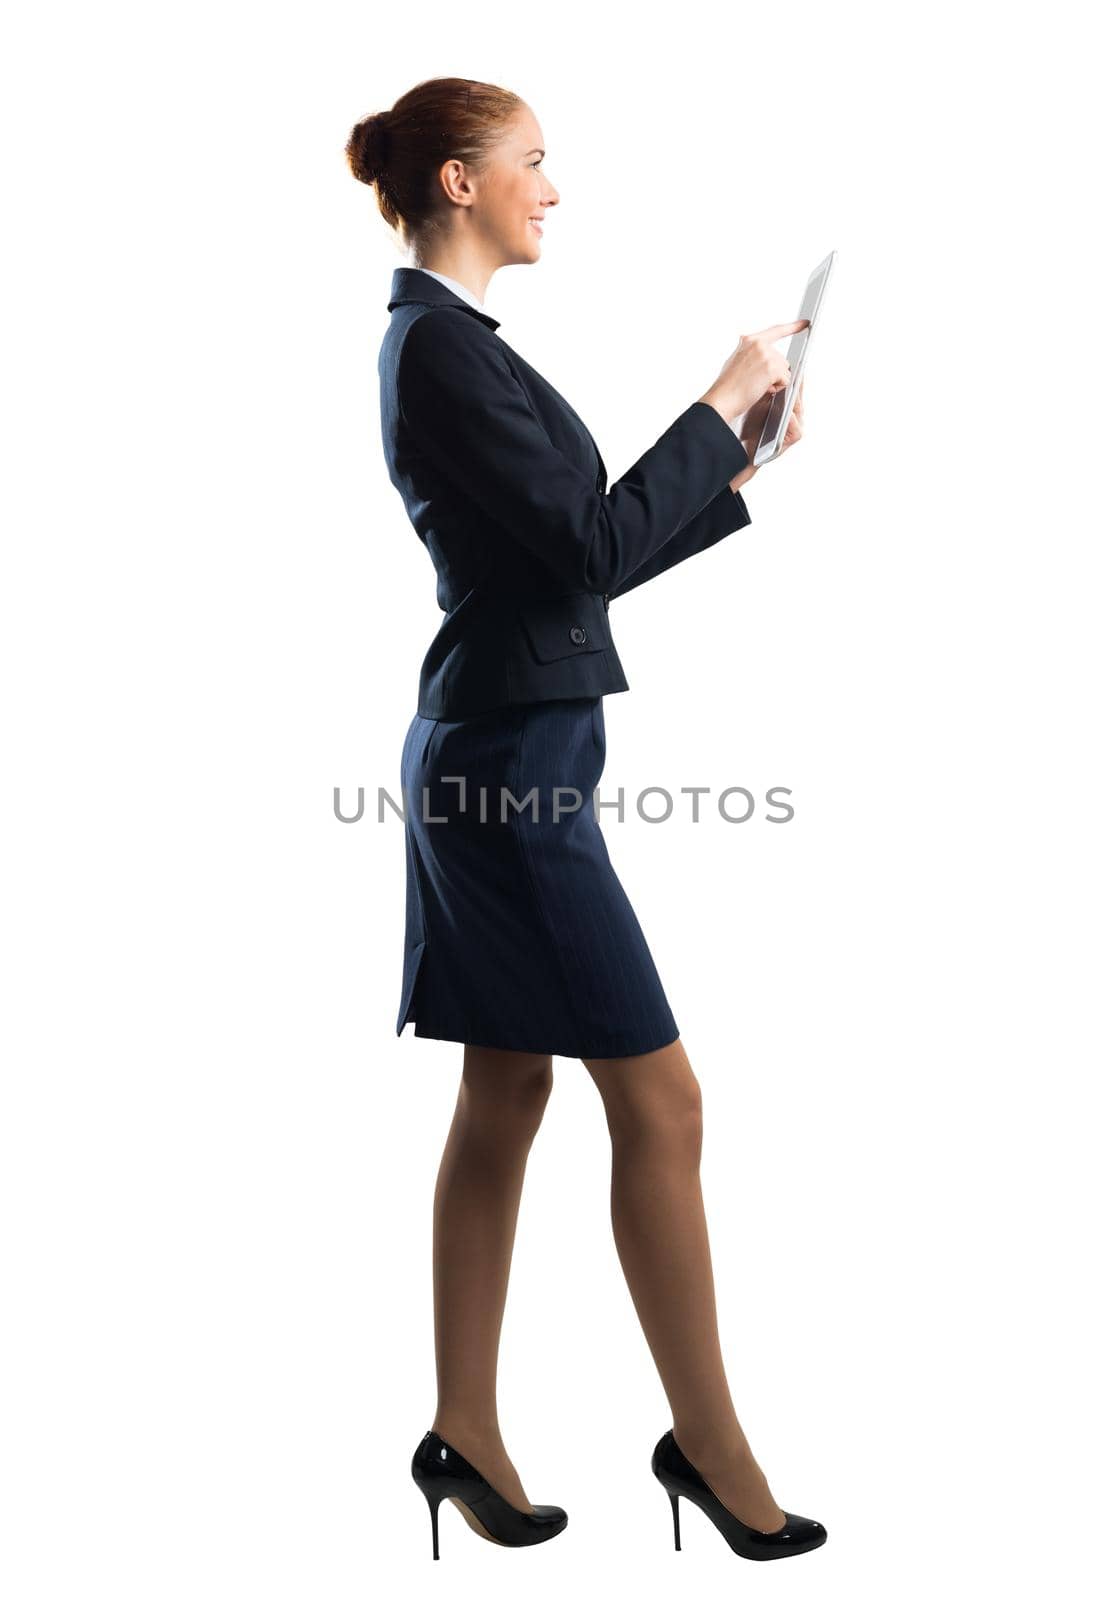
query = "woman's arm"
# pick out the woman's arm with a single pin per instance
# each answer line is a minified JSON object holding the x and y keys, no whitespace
{"x":727,"y":511}
{"x":721,"y":516}
{"x":465,"y":406}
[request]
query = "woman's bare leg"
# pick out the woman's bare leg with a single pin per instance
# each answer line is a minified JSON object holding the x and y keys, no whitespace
{"x":654,"y":1113}
{"x":502,"y":1098}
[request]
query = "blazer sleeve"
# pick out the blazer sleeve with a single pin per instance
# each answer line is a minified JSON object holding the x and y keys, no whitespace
{"x":464,"y":404}
{"x":720,"y":516}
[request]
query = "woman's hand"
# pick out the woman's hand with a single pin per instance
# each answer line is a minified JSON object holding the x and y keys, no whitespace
{"x":753,"y":369}
{"x":751,"y":432}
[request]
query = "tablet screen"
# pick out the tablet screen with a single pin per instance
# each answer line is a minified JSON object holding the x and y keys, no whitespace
{"x":774,"y":428}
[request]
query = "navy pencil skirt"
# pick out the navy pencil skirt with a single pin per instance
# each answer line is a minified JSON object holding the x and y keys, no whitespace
{"x":518,"y":932}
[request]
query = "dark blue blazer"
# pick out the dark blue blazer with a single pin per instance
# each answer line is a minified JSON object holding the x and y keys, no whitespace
{"x":508,"y":491}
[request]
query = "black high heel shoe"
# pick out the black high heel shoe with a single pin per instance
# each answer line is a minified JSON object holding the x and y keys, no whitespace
{"x":677,"y":1476}
{"x":441,"y":1473}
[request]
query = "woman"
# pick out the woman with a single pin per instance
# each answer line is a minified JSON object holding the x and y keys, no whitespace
{"x":520,"y":942}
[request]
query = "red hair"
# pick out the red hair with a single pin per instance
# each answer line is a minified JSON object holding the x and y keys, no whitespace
{"x":399,"y":152}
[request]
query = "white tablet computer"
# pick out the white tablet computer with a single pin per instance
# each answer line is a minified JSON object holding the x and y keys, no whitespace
{"x":781,"y":405}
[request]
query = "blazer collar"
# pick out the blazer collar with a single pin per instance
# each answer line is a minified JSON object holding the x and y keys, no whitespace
{"x":410,"y":285}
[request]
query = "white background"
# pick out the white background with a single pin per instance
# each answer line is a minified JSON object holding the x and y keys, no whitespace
{"x":217,"y":1157}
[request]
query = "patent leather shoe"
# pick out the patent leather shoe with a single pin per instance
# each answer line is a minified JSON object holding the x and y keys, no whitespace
{"x":676,"y":1474}
{"x":441,"y":1473}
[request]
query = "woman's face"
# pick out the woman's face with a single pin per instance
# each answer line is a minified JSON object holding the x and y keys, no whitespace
{"x":512,"y":194}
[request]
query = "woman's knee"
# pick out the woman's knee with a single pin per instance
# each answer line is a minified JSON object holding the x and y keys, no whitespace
{"x":510,"y":1085}
{"x":654,"y":1096}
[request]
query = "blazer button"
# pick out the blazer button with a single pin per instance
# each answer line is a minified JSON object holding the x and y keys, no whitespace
{"x":577,"y":635}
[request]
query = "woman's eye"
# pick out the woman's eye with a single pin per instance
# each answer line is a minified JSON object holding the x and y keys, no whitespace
{"x":537,"y":163}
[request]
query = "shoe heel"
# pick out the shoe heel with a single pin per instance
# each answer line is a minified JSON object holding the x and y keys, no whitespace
{"x":675,"y":1502}
{"x":433,"y":1508}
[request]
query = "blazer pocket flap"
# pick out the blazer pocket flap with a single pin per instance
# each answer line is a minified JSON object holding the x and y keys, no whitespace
{"x":565,"y":625}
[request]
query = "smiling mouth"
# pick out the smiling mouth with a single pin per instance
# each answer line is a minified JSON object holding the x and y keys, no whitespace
{"x":535,"y":224}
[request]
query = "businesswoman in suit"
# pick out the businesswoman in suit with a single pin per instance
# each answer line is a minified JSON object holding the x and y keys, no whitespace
{"x":520,"y":941}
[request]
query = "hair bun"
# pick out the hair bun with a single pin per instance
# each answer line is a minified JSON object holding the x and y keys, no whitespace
{"x":368,"y":148}
{"x":375,"y":151}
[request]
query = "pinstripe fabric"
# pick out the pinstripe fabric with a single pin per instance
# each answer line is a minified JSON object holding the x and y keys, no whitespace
{"x":519,"y":934}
